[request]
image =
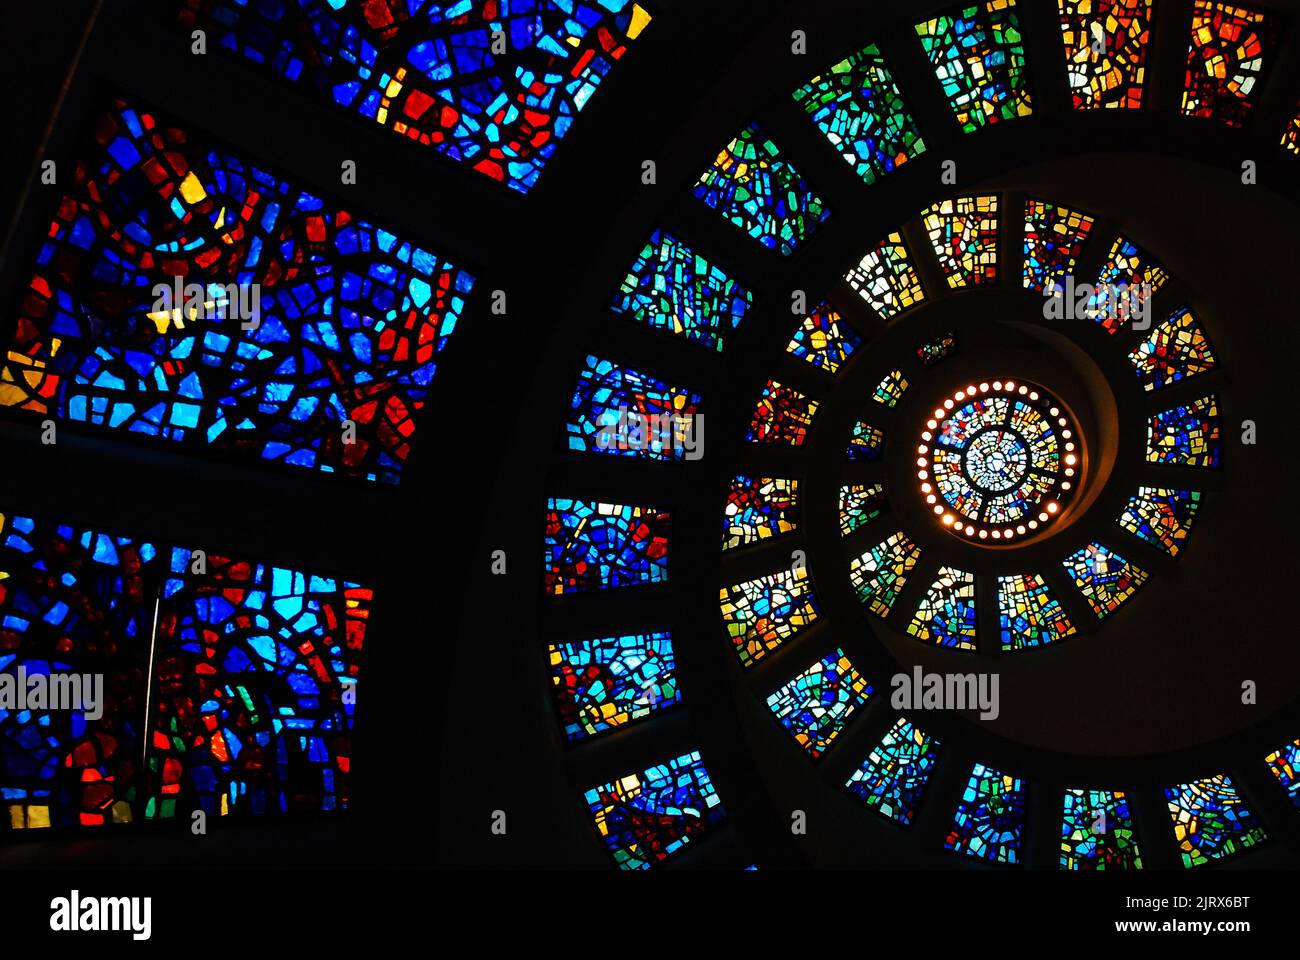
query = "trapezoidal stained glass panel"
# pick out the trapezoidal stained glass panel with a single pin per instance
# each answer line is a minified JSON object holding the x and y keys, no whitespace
{"x":815,"y":706}
{"x":1054,"y":239}
{"x":782,"y":416}
{"x":867,"y":444}
{"x":618,"y":411}
{"x":964,"y":233}
{"x":886,"y":279}
{"x":1291,"y":136}
{"x":1106,"y":44}
{"x":1106,"y":580}
{"x":754,"y":187}
{"x":1162,"y":516}
{"x":185,"y":295}
{"x":75,"y":604}
{"x":890,"y":390}
{"x":990,"y":818}
{"x":646,"y":817}
{"x":1285,"y":765}
{"x":761,"y":614}
{"x":879,"y":575}
{"x":1212,"y":820}
{"x":978,"y":54}
{"x":1175,"y":350}
{"x":946,"y":616}
{"x":824,"y":339}
{"x":609,"y":682}
{"x":1230,"y":48}
{"x":670,"y":287}
{"x":1186,"y":435}
{"x":860,"y":504}
{"x":858,"y":107}
{"x":1030,"y":614}
{"x":495,"y":84}
{"x":603,"y":546}
{"x":1097,"y":832}
{"x":893,"y":778}
{"x":256,"y":672}
{"x":759,"y":508}
{"x":1128,"y":281}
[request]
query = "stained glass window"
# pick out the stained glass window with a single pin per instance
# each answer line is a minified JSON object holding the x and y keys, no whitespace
{"x":1291,"y":137}
{"x":997,"y":460}
{"x":1054,"y":239}
{"x":1105,"y":579}
{"x":1161,"y":516}
{"x":671,"y":287}
{"x":1097,"y":832}
{"x":253,"y":668}
{"x":880,"y":574}
{"x":600,"y":546}
{"x":762,"y":614}
{"x":495,"y":84}
{"x":1129,"y":279}
{"x":1211,"y":820}
{"x":946,"y":616}
{"x":894,"y":776}
{"x":886,"y":279}
{"x":256,"y":673}
{"x":978,"y":55}
{"x":1187,"y":435}
{"x":990,"y":818}
{"x":1106,"y":45}
{"x":861,"y":503}
{"x":648,"y":816}
{"x":868,"y":443}
{"x":1175,"y":350}
{"x":891,"y":389}
{"x":74,"y":603}
{"x":783,"y":415}
{"x":937,"y":350}
{"x":1226,"y":61}
{"x":755,"y":188}
{"x":859,"y":109}
{"x":1030,"y":615}
{"x":759,"y":508}
{"x":964,"y":232}
{"x":1284,"y":765}
{"x":185,"y":295}
{"x":815,"y":705}
{"x":825,"y":340}
{"x":606,"y":683}
{"x":620,"y":411}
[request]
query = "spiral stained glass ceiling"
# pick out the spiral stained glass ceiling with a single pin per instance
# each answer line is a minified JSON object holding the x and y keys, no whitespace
{"x":913,"y":459}
{"x":998,"y":461}
{"x":936,"y":445}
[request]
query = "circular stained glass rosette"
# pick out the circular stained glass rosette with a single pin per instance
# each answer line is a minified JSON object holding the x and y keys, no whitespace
{"x":998,"y":461}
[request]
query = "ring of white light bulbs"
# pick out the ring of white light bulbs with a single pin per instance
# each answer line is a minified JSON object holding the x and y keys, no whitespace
{"x":1050,"y":510}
